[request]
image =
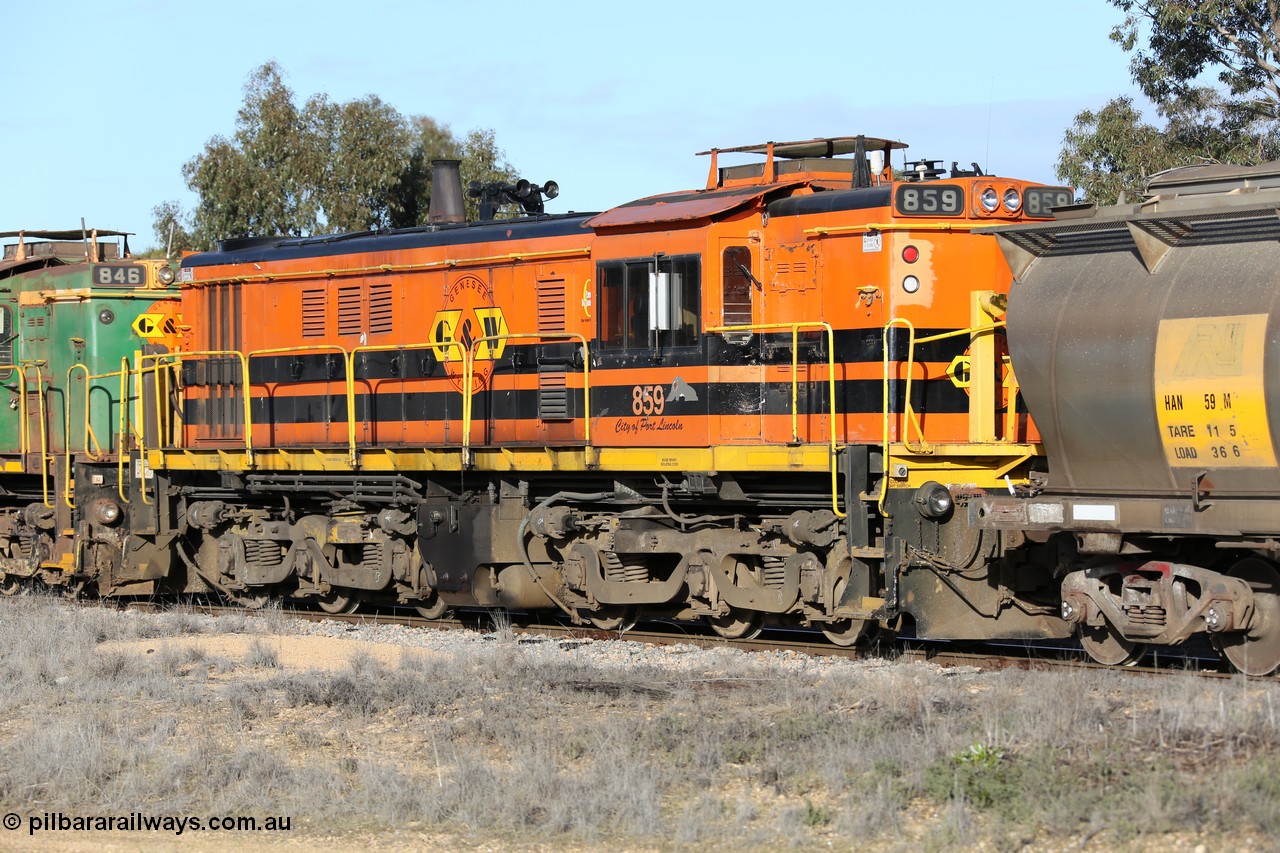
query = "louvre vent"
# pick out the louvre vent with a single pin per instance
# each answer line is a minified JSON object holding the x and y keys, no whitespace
{"x":349,"y":319}
{"x":379,"y":309}
{"x":797,"y":268}
{"x":313,"y":313}
{"x":35,"y":322}
{"x":553,"y":395}
{"x":551,"y":306}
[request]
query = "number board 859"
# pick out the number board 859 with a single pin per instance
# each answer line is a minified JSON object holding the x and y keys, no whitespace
{"x":929,"y":200}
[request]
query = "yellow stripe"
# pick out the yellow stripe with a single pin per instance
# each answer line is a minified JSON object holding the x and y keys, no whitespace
{"x":811,"y":458}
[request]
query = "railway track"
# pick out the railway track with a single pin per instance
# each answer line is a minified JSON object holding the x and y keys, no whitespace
{"x":991,"y":657}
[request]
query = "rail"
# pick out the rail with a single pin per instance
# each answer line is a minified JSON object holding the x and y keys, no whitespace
{"x":469,"y":371}
{"x":795,"y":386}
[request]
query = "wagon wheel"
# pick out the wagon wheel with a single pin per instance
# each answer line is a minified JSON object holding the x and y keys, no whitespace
{"x":738,"y":624}
{"x":1106,"y":646}
{"x":845,"y":632}
{"x":614,"y":618}
{"x":13,"y":585}
{"x":1257,"y":650}
{"x":338,"y":600}
{"x":434,"y":608}
{"x":253,"y":598}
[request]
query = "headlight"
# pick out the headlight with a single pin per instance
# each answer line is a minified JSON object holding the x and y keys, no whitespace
{"x":989,"y":200}
{"x":106,"y":511}
{"x":1012,"y":200}
{"x":166,"y":275}
{"x":934,"y":500}
{"x":911,"y":284}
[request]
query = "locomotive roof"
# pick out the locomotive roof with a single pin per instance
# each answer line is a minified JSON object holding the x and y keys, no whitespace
{"x":820,"y":147}
{"x":253,"y":249}
{"x":77,"y":234}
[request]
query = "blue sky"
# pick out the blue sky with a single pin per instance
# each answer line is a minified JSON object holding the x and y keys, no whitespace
{"x":107,"y":100}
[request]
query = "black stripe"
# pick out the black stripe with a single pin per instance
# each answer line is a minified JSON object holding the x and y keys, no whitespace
{"x":853,"y":346}
{"x":858,"y":396}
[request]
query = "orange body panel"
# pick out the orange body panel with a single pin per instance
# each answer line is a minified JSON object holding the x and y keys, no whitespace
{"x":532,"y":312}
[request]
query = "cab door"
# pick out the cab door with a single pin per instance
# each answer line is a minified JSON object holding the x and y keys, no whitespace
{"x":738,"y":376}
{"x":10,"y":401}
{"x":34,"y":322}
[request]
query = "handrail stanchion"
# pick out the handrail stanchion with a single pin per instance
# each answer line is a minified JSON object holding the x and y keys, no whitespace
{"x":121,"y":453}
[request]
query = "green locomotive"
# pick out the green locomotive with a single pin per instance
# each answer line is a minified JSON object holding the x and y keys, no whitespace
{"x":77,"y":311}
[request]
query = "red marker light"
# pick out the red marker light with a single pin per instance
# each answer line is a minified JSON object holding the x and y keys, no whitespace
{"x":911,"y":254}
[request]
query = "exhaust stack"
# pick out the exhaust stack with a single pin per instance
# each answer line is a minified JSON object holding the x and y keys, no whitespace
{"x":446,"y":193}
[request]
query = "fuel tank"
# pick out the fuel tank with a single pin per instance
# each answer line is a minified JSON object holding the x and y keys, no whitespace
{"x":1146,"y":337}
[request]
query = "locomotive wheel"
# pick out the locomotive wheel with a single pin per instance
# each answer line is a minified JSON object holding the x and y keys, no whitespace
{"x":618,"y":619}
{"x":337,"y":602}
{"x":845,"y":632}
{"x":13,"y":585}
{"x":738,"y":625}
{"x":1256,"y":651}
{"x":434,"y":608}
{"x":1105,"y":645}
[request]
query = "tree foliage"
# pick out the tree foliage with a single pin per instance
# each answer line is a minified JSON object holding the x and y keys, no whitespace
{"x":1176,"y":44}
{"x":1237,"y":39}
{"x":323,"y":167}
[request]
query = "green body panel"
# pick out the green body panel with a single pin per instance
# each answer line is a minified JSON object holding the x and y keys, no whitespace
{"x":70,"y":331}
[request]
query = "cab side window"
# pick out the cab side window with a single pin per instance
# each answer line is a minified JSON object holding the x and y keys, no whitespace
{"x":650,"y":302}
{"x":737,"y":286}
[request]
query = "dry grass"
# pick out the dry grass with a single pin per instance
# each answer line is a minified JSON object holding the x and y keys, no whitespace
{"x":903,"y":756}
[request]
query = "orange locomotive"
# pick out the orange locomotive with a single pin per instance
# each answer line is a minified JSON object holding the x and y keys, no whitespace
{"x":768,"y":399}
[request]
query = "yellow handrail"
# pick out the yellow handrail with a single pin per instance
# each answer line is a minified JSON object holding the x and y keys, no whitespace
{"x":348,"y":272}
{"x":44,"y":426}
{"x":124,"y":427}
{"x":348,"y":386}
{"x":468,"y":369}
{"x":896,"y":226}
{"x":351,"y":385}
{"x":908,"y":411}
{"x":89,"y":433}
{"x":141,"y":433}
{"x":795,"y":386}
{"x":172,"y":358}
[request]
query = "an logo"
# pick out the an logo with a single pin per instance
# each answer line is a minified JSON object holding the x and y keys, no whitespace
{"x":469,"y":325}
